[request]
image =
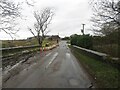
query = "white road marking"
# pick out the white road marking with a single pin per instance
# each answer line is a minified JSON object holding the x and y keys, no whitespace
{"x":48,"y":54}
{"x":54,"y":56}
{"x":10,"y":68}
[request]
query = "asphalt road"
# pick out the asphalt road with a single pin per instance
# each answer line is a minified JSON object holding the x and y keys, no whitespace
{"x":57,"y":69}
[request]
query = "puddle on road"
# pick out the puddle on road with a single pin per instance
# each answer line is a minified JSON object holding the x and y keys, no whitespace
{"x":74,"y":82}
{"x":68,"y":55}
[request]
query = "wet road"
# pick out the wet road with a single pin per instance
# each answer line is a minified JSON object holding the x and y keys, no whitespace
{"x":57,"y":69}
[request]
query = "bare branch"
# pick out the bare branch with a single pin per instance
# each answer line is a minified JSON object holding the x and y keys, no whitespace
{"x":43,"y":19}
{"x":9,"y":11}
{"x":31,"y":31}
{"x":30,"y":4}
{"x":106,"y":11}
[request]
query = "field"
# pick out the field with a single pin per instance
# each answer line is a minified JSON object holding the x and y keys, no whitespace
{"x":16,"y":43}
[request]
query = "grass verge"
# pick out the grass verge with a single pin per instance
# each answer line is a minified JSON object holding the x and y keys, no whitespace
{"x":106,"y":75}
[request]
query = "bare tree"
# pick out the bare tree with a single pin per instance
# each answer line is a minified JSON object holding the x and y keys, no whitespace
{"x":105,"y":12}
{"x":43,"y":19}
{"x":30,"y":3}
{"x":9,"y":11}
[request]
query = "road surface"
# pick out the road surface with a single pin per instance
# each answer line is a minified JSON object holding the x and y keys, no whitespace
{"x":57,"y":69}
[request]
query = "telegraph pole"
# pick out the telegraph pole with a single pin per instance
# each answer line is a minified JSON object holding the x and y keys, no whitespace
{"x":83,"y":29}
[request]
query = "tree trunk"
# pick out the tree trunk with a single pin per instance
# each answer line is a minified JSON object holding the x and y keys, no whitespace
{"x":40,"y":42}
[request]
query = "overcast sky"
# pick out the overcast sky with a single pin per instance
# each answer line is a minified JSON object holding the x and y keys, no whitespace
{"x":68,"y":18}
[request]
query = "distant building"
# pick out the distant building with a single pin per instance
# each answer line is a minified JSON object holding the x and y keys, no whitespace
{"x":54,"y":38}
{"x":47,"y":36}
{"x":31,"y":38}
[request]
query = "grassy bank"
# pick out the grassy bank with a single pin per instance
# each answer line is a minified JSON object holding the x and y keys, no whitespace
{"x":106,"y":75}
{"x":110,"y":49}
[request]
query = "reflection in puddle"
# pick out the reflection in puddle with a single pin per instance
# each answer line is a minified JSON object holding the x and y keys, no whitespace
{"x":68,"y":55}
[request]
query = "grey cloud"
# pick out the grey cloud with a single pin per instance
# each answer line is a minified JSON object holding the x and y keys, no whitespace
{"x":69,"y":15}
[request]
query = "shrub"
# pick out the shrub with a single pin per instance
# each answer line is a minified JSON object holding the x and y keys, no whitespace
{"x":84,"y":41}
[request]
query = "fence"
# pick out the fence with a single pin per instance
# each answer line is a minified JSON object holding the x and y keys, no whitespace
{"x":20,"y":47}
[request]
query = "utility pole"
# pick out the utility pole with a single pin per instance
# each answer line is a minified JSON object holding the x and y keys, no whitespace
{"x":83,"y":29}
